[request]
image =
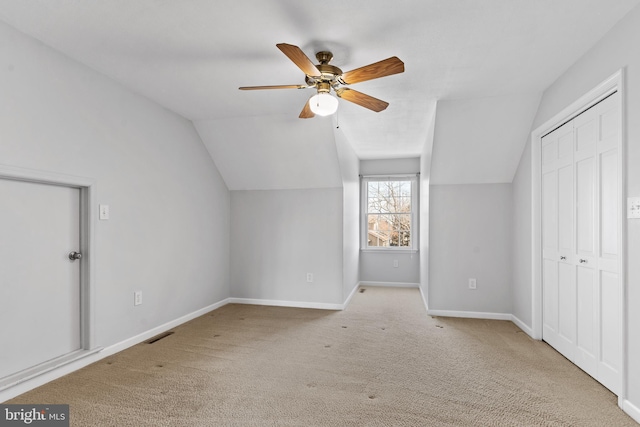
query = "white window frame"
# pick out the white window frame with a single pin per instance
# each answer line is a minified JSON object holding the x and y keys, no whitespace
{"x":415,"y":224}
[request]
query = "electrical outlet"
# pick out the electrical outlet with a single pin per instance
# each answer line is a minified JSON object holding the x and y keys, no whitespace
{"x":395,"y":263}
{"x":472,"y":283}
{"x":137,"y":298}
{"x":309,"y":277}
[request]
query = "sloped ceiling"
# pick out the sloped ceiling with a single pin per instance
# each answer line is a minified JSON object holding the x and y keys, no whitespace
{"x":486,"y":135}
{"x":482,"y":60}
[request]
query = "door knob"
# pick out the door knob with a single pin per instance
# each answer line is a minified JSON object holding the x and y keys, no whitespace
{"x":74,"y":255}
{"x":582,"y":261}
{"x":563,"y":257}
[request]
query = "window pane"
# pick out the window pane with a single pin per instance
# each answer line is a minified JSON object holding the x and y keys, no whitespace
{"x":405,"y":238}
{"x":372,"y":189}
{"x":404,"y":222}
{"x":380,"y":205}
{"x":405,"y":188}
{"x":387,"y":222}
{"x":404,"y":204}
{"x":375,"y":235}
{"x":374,"y":205}
{"x":385,"y":189}
{"x":394,"y":239}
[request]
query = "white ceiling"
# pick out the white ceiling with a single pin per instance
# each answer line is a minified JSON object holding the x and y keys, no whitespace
{"x":473,"y":56}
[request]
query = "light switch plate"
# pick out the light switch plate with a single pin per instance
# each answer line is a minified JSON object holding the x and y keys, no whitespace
{"x":104,"y":212}
{"x":633,"y":207}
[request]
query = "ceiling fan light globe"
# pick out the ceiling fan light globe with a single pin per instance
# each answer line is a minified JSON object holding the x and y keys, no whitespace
{"x":323,"y":104}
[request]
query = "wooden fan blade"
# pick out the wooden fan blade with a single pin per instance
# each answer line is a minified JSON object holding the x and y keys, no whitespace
{"x":298,"y":57}
{"x":362,"y":99}
{"x":386,"y":67}
{"x":306,"y":112}
{"x":274,"y":87}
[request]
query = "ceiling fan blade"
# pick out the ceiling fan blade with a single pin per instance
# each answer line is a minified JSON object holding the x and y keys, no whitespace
{"x":386,"y":67}
{"x":298,"y":57}
{"x":362,"y":99}
{"x":274,"y":87}
{"x":306,"y":112}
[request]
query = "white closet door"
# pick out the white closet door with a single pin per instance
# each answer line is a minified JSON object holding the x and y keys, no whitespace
{"x":557,"y":201}
{"x":610,"y":284}
{"x":586,"y":135}
{"x":581,"y":193}
{"x":39,"y":284}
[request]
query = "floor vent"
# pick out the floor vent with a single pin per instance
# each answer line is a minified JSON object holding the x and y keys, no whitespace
{"x":159,"y":337}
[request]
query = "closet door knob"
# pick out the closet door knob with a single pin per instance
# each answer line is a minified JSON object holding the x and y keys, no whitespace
{"x":583,"y":261}
{"x":563,"y":257}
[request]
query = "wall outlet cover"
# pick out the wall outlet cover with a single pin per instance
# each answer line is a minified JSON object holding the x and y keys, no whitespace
{"x":137,"y":298}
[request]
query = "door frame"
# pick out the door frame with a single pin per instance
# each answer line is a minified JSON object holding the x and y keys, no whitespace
{"x":614,"y":83}
{"x":88,"y":212}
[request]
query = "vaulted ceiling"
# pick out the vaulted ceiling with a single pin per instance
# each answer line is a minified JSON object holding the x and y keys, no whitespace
{"x":480,"y":66}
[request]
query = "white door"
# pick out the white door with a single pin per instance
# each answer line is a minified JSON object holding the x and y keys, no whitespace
{"x":39,"y":284}
{"x":609,"y":291}
{"x":582,"y":313}
{"x":559,"y":320}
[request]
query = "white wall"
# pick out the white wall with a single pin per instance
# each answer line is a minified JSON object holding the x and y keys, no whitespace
{"x":470,"y":238}
{"x":521,"y":240}
{"x":168,"y":232}
{"x":390,"y":166}
{"x":425,"y":187}
{"x":618,"y":49}
{"x":350,"y":169}
{"x":278,"y":236}
{"x":378,"y":266}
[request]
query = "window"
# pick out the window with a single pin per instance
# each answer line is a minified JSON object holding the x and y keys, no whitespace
{"x":389,"y":206}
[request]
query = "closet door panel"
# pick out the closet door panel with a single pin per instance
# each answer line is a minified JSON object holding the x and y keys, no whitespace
{"x":609,"y":205}
{"x":566,"y":302}
{"x":587,"y":339}
{"x":585,"y":203}
{"x":550,"y":292}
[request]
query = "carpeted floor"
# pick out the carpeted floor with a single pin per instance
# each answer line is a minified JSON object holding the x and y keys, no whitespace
{"x":381,"y":362}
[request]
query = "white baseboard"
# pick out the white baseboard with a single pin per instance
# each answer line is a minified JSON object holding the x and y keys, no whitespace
{"x":391,"y":284}
{"x":424,"y":299}
{"x":520,"y":324}
{"x":469,"y":314}
{"x":293,"y":304}
{"x":130,"y":342}
{"x":353,"y":292}
{"x":632,"y":410}
{"x":50,"y":375}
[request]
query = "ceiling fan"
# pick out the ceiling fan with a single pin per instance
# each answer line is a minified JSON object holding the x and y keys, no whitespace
{"x":324,"y":77}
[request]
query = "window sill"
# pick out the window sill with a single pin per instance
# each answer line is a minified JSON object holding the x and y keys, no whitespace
{"x":389,"y":251}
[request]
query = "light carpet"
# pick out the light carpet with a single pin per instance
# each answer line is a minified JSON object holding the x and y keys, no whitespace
{"x":381,"y":362}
